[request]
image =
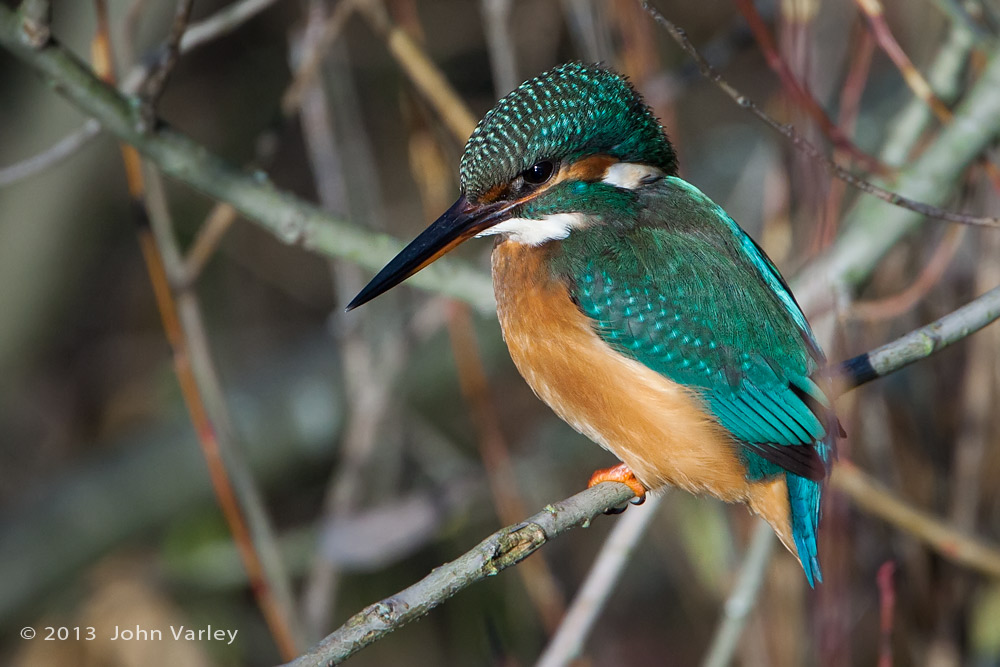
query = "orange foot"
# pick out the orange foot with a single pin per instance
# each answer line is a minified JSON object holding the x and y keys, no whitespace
{"x":620,"y":473}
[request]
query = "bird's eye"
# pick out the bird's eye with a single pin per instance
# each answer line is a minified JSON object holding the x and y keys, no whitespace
{"x":539,"y":173}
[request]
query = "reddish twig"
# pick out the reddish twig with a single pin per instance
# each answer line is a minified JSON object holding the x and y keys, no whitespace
{"x":800,"y":95}
{"x":800,"y":143}
{"x":887,"y":604}
{"x":873,"y":11}
{"x":204,"y":428}
{"x":850,"y":104}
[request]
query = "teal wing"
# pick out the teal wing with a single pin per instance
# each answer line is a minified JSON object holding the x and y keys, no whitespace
{"x":712,"y":313}
{"x":703,"y":321}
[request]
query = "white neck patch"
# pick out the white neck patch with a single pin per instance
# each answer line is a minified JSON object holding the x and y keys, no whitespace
{"x":630,"y":176}
{"x":536,"y":232}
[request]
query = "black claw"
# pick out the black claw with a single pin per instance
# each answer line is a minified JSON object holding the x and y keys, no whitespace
{"x":638,"y":500}
{"x":611,"y":511}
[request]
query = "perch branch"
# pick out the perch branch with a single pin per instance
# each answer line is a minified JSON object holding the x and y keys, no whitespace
{"x":497,"y":552}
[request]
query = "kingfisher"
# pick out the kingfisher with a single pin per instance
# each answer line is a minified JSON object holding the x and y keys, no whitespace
{"x":636,"y":307}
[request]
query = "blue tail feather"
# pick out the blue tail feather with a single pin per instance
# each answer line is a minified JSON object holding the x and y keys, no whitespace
{"x":804,"y":497}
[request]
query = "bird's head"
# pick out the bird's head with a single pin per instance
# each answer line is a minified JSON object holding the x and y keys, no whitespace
{"x":550,"y":157}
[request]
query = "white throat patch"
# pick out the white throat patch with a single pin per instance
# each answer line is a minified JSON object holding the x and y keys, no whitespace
{"x":536,"y":232}
{"x":630,"y":176}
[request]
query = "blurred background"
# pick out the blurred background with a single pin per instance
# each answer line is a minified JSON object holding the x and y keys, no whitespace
{"x":384,"y":442}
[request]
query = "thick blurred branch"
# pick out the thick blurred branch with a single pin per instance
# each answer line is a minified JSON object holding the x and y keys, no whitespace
{"x":289,"y":218}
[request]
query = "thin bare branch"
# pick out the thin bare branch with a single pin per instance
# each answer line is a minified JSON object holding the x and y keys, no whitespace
{"x":421,"y":70}
{"x":742,"y":599}
{"x":169,"y":53}
{"x":207,"y":239}
{"x":873,"y":11}
{"x":51,"y":156}
{"x":219,"y":24}
{"x":804,"y":145}
{"x":235,"y":489}
{"x":309,"y":66}
{"x":499,"y":42}
{"x":618,"y":548}
{"x":887,"y":605}
{"x":222,"y":22}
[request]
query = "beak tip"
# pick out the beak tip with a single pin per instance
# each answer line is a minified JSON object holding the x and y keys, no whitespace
{"x":355,"y":302}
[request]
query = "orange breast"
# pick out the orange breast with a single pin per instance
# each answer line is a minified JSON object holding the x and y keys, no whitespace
{"x":655,"y":426}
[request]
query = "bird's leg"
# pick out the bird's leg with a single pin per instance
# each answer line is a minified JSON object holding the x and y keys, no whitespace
{"x":623,"y":474}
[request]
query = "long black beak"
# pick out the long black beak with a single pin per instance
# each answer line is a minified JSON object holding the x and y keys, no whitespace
{"x":460,"y":222}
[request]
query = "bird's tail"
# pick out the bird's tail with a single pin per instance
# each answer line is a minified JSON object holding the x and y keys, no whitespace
{"x":804,"y":496}
{"x":804,"y":499}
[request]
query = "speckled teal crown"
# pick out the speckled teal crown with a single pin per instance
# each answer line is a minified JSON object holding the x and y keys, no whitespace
{"x":566,"y":113}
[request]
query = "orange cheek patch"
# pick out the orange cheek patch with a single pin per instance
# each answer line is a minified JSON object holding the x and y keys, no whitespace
{"x":495,"y":193}
{"x":588,"y":169}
